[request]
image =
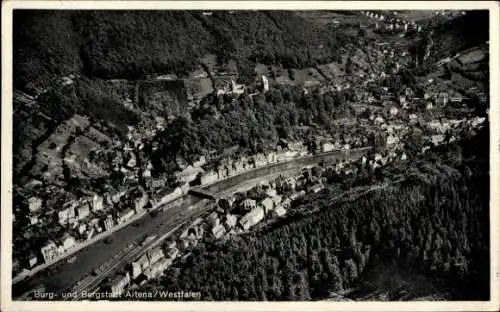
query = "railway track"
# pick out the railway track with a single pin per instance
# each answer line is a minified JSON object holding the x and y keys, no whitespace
{"x":91,"y":284}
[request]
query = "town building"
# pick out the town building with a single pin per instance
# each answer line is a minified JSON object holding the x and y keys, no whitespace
{"x":317,"y":188}
{"x":68,"y":242}
{"x":108,"y":223}
{"x":155,"y":183}
{"x":90,"y":233}
{"x":286,"y":203}
{"x":67,"y":214}
{"x":280,"y":211}
{"x":83,"y":210}
{"x":119,"y":283}
{"x":226,"y":203}
{"x":148,"y":273}
{"x":49,"y":251}
{"x":437,"y":139}
{"x":218,"y":231}
{"x":139,"y":265}
{"x":158,"y":267}
{"x":34,"y":204}
{"x":267,"y":204}
{"x":213,"y":219}
{"x":188,"y":174}
{"x":199,"y":162}
{"x":172,"y":253}
{"x":209,"y":178}
{"x":271,"y":192}
{"x":126,"y":215}
{"x":237,"y":88}
{"x":327,"y":147}
{"x":147,"y":175}
{"x":82,"y":227}
{"x":276,"y":200}
{"x":248,"y":204}
{"x":140,"y":201}
{"x":115,"y":198}
{"x":265,"y":84}
{"x":252,"y":218}
{"x":442,"y":99}
{"x":33,"y":219}
{"x":97,"y":203}
{"x":155,"y":254}
{"x":32,"y":260}
{"x":393,"y":111}
{"x":230,"y":221}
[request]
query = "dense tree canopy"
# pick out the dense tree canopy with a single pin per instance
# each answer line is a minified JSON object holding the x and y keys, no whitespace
{"x":130,"y":44}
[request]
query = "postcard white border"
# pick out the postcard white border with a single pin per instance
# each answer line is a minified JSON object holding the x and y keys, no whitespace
{"x":6,"y":149}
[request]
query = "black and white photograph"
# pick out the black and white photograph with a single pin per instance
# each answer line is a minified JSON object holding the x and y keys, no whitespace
{"x":220,"y":154}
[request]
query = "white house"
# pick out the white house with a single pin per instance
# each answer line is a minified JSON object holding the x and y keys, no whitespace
{"x":139,"y":265}
{"x":119,"y":283}
{"x":280,"y":211}
{"x":33,"y":219}
{"x":327,"y":147}
{"x":209,"y":177}
{"x":231,"y":221}
{"x":97,"y":202}
{"x":83,"y":211}
{"x":218,"y":231}
{"x":67,"y":214}
{"x":49,"y":251}
{"x":34,"y":203}
{"x":265,"y":84}
{"x":68,"y":242}
{"x":267,"y":204}
{"x":32,"y":260}
{"x":394,"y":111}
{"x":155,"y":255}
{"x":126,"y":215}
{"x":249,"y":204}
{"x":252,"y":218}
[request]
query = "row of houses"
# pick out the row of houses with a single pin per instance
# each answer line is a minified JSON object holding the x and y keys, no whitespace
{"x":155,"y":261}
{"x":83,"y":218}
{"x":392,"y":22}
{"x":229,"y":167}
{"x":52,"y":249}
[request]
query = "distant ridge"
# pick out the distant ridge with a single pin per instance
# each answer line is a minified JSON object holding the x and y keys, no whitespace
{"x":131,"y":44}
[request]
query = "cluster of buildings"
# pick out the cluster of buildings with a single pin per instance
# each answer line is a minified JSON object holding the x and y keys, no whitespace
{"x":230,"y":216}
{"x":233,"y":88}
{"x":391,"y":22}
{"x":80,"y":220}
{"x":149,"y":266}
{"x":228,"y":167}
{"x":448,"y":131}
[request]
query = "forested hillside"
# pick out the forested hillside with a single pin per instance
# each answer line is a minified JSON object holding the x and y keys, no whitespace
{"x":451,"y":36}
{"x":130,"y":44}
{"x":252,"y":123}
{"x":432,"y":224}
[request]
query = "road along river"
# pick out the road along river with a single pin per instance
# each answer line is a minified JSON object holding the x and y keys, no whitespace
{"x":63,"y":275}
